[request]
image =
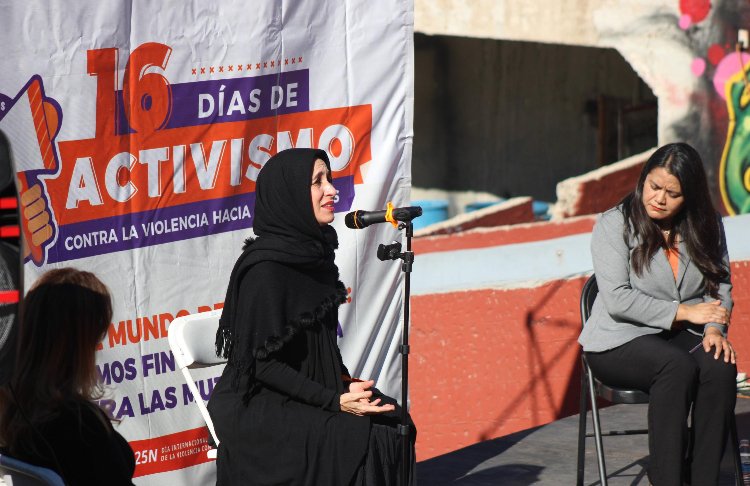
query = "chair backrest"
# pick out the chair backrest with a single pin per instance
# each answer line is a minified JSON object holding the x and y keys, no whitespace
{"x":24,"y":474}
{"x":609,"y":393}
{"x":192,"y":339}
{"x":588,"y":295}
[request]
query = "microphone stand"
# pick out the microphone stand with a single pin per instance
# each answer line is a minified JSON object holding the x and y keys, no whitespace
{"x":393,"y":252}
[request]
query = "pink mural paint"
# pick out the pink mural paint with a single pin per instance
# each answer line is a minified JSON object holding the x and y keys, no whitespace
{"x":685,"y":21}
{"x":698,"y":66}
{"x":729,"y":66}
{"x":696,"y":9}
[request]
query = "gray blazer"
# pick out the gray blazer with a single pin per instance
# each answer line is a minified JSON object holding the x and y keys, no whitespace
{"x":629,"y":306}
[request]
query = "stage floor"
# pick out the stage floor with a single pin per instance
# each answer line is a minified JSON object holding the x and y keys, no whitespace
{"x":547,"y":454}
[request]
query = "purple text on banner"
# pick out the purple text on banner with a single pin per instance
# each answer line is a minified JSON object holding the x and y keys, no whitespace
{"x":229,"y":100}
{"x":167,"y":224}
{"x":344,"y":193}
{"x":148,"y":228}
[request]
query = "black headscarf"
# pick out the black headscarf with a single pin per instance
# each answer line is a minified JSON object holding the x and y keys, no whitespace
{"x":269,"y":313}
{"x":284,"y":220}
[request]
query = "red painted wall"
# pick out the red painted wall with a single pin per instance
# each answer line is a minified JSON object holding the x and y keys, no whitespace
{"x":601,"y":193}
{"x":516,"y":211}
{"x":488,"y":363}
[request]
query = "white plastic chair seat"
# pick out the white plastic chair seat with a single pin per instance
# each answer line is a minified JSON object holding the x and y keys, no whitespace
{"x":192,"y":339}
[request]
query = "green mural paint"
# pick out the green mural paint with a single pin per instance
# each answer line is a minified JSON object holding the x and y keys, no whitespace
{"x":734,"y":172}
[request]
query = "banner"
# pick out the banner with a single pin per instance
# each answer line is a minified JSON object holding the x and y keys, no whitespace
{"x":137,"y":131}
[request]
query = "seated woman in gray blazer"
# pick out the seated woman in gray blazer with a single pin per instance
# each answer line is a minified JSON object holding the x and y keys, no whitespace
{"x":659,"y":322}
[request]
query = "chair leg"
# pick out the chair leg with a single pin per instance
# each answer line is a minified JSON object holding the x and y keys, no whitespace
{"x":597,"y":432}
{"x":582,"y":427}
{"x":735,"y":445}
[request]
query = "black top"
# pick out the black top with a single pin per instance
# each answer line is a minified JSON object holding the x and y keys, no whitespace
{"x":80,"y":444}
{"x":291,"y":430}
{"x":260,"y":315}
{"x":276,"y":408}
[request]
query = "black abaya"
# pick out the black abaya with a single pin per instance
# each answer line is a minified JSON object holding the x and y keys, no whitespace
{"x":276,"y":408}
{"x":291,"y":431}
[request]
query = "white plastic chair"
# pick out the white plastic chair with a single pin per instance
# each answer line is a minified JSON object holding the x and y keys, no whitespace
{"x":19,"y":473}
{"x":192,"y":339}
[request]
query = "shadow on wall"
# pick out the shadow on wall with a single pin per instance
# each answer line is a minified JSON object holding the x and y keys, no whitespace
{"x":491,"y":362}
{"x":539,"y":393}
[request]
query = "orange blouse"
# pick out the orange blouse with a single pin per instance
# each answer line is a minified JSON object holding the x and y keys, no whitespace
{"x":673,"y":255}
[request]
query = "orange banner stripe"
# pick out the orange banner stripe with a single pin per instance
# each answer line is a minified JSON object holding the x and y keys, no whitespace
{"x":40,"y":123}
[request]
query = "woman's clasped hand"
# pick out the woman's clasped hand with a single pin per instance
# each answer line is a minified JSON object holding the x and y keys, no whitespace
{"x":357,"y":400}
{"x":703,"y":313}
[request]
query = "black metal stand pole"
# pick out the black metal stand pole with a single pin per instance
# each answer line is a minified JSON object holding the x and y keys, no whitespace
{"x":393,"y":252}
{"x":408,"y":259}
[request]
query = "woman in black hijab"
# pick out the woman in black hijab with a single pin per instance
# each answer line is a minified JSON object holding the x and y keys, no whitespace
{"x":286,"y":410}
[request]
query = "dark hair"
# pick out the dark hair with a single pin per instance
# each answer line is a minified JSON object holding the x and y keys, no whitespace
{"x":697,"y":222}
{"x":63,"y":318}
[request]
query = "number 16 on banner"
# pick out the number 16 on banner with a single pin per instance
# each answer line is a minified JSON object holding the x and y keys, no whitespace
{"x":30,"y":122}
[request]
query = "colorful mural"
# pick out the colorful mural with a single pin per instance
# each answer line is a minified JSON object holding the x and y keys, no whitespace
{"x":734,"y":173}
{"x":724,"y":67}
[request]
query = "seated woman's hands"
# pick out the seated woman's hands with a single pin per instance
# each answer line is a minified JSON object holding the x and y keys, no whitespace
{"x":714,"y":338}
{"x":357,"y":400}
{"x":703,"y":313}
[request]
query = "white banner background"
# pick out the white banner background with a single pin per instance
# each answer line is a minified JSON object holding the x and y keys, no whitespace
{"x":355,"y":54}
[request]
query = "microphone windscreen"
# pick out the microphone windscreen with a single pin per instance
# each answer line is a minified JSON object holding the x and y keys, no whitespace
{"x":350,"y":220}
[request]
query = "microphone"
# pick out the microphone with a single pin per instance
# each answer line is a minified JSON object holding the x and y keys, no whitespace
{"x":363,"y":219}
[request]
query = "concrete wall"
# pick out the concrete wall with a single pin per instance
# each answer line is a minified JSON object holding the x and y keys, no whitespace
{"x":513,"y":118}
{"x":558,"y":22}
{"x":600,"y":189}
{"x":682,"y":50}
